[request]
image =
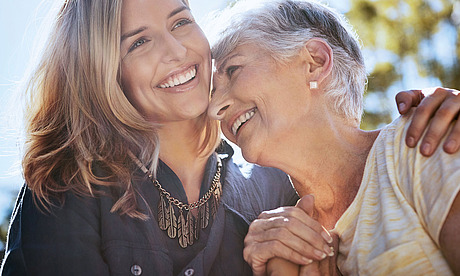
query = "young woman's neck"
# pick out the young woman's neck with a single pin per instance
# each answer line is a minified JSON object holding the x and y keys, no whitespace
{"x":180,"y":144}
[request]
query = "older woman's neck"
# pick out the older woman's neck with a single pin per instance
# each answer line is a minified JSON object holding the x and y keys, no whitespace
{"x":328,"y":162}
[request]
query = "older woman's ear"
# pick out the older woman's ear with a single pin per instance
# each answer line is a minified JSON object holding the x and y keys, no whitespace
{"x":320,"y":59}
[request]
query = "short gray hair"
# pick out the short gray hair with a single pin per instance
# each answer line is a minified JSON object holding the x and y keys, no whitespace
{"x":282,"y":27}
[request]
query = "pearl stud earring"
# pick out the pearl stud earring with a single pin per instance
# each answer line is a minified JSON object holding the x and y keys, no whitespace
{"x":313,"y":85}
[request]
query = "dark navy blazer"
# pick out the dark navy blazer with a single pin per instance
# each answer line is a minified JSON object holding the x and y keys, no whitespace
{"x":84,"y":238}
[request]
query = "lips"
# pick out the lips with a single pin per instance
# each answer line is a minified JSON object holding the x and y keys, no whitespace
{"x":242,"y":119}
{"x":179,"y":78}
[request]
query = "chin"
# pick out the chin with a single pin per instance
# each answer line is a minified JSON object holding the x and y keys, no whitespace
{"x":250,"y":156}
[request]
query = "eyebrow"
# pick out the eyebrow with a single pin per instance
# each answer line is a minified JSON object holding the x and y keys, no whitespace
{"x":143,"y":28}
{"x":132,"y":33}
{"x":178,"y":10}
{"x":221,"y":67}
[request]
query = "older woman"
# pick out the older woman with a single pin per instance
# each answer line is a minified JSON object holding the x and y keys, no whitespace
{"x":288,"y":90}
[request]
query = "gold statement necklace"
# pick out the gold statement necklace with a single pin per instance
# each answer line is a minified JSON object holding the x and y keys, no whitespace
{"x":186,"y":227}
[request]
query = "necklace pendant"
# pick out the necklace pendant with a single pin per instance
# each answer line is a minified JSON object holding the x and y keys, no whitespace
{"x":182,"y":230}
{"x":191,"y":228}
{"x":213,"y":205}
{"x":197,"y":223}
{"x":205,"y":215}
{"x":163,"y":214}
{"x":171,"y":222}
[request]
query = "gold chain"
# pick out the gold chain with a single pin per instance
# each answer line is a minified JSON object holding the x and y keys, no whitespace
{"x":179,"y":204}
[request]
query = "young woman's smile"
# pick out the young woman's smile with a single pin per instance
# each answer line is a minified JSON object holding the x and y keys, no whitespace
{"x":166,"y":63}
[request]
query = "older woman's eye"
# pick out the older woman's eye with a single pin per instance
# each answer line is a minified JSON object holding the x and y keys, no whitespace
{"x":136,"y":44}
{"x":231,"y":69}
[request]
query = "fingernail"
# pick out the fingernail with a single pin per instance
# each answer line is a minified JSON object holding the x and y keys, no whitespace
{"x":426,"y":149}
{"x":307,"y":260}
{"x":411,"y":141}
{"x":402,"y":106}
{"x":326,"y":237}
{"x":332,"y":251}
{"x":320,"y":254}
{"x":451,"y":146}
{"x":329,"y":250}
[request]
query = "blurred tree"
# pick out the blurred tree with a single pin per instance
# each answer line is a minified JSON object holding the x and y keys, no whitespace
{"x":422,"y":33}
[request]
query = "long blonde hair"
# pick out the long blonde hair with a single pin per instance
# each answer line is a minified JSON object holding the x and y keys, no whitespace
{"x":77,"y":116}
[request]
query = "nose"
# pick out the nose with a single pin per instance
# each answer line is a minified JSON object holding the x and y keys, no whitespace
{"x":219,"y":104}
{"x":174,"y":50}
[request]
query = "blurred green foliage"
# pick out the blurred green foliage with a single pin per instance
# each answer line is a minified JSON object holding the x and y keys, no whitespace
{"x":425,"y":32}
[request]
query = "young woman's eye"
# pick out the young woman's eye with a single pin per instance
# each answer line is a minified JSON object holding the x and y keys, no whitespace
{"x":138,"y":43}
{"x":182,"y":22}
{"x":231,"y":69}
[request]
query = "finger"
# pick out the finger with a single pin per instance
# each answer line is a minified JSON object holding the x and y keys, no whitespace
{"x":422,"y":116}
{"x":302,"y":232}
{"x":288,"y":217}
{"x":306,"y":241}
{"x":257,"y":255}
{"x":307,"y":203}
{"x":407,"y":99}
{"x":452,"y":143}
{"x":439,"y":125}
{"x":282,"y":211}
{"x":310,"y":269}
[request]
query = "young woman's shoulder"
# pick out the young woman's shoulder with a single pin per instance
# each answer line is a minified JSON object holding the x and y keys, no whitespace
{"x":251,"y":189}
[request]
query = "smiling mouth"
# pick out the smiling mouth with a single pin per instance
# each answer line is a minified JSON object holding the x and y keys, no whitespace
{"x":179,"y":79}
{"x":242,"y":119}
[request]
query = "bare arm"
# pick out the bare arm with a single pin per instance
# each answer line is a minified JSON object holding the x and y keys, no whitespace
{"x":449,"y":238}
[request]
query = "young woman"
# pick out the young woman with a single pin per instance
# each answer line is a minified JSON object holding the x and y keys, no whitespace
{"x":121,"y":165}
{"x":121,"y":168}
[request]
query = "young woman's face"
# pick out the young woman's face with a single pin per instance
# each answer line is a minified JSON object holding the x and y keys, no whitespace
{"x":165,"y":60}
{"x":258,"y":100}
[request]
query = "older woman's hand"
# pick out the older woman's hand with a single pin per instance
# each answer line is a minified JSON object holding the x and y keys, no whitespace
{"x":286,"y":232}
{"x":442,"y":108}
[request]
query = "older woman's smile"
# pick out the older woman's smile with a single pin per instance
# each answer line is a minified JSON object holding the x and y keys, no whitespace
{"x":241,"y":120}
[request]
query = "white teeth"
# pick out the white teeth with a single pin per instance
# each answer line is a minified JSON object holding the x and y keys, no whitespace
{"x":241,"y":120}
{"x":179,"y":79}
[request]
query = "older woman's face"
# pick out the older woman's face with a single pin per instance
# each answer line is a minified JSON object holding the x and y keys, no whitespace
{"x":258,"y":100}
{"x":165,"y":60}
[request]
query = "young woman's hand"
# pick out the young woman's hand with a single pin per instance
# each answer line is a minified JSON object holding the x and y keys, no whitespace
{"x":286,"y":232}
{"x":326,"y":267}
{"x":442,"y":108}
